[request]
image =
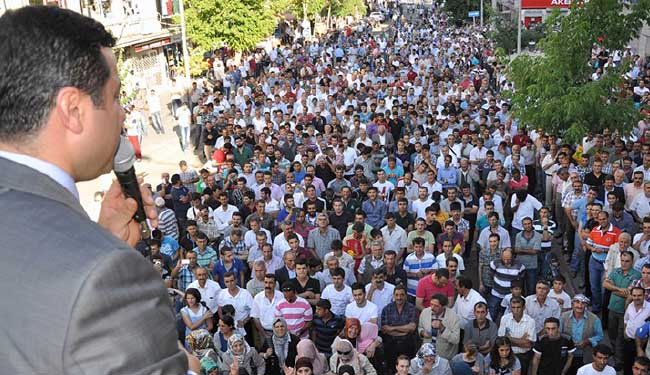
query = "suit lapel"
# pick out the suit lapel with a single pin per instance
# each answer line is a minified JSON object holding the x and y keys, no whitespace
{"x":31,"y":181}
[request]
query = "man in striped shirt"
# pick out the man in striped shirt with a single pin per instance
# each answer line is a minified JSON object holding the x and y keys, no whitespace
{"x":167,"y":222}
{"x":295,"y":310}
{"x":417,"y":265}
{"x":599,"y":241}
{"x":505,"y":270}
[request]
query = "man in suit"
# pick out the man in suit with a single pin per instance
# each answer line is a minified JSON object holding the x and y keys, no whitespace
{"x":384,"y":138}
{"x":288,"y":271}
{"x":99,"y":306}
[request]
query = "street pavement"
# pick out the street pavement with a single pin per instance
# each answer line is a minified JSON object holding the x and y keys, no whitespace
{"x":160,"y":153}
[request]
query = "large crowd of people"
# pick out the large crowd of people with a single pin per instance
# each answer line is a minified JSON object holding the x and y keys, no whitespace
{"x":370,"y":204}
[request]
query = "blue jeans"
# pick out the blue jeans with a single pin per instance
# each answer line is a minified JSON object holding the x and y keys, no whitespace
{"x":531,"y":280}
{"x":185,"y":137}
{"x":578,"y":255}
{"x":494,"y":306}
{"x":596,"y":271}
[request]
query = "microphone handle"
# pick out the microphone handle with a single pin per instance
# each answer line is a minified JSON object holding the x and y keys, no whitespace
{"x":131,"y":189}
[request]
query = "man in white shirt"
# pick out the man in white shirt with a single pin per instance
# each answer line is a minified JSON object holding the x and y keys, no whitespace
{"x":635,"y":316}
{"x":210,"y":290}
{"x":263,"y":308}
{"x":393,"y":235}
{"x":466,"y":300}
{"x":223,"y":214}
{"x":379,"y":292}
{"x":520,"y":329}
{"x":239,"y":298}
{"x":424,"y":201}
{"x":599,"y":366}
{"x":361,"y":308}
{"x":281,"y":241}
{"x":339,"y":294}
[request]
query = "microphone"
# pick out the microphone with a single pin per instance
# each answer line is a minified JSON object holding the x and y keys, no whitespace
{"x":125,"y":173}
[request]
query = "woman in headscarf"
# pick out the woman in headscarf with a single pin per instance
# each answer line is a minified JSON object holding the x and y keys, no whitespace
{"x":307,"y":350}
{"x":366,"y":340}
{"x":247,"y":359}
{"x":199,"y":343}
{"x":209,"y":366}
{"x":346,"y":354}
{"x":427,"y":362}
{"x":280,"y":350}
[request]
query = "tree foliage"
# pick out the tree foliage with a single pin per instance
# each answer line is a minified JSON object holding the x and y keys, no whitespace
{"x":458,"y":10}
{"x":505,"y":34}
{"x":240,"y":24}
{"x":198,"y":64}
{"x":554,"y":91}
{"x":343,"y":8}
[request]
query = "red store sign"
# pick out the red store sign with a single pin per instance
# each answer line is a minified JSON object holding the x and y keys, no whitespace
{"x":543,"y":4}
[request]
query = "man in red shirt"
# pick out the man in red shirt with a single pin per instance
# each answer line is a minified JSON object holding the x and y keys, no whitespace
{"x":601,"y":238}
{"x":437,"y":282}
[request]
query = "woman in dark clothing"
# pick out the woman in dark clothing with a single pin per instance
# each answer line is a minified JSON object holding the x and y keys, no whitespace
{"x":280,"y":349}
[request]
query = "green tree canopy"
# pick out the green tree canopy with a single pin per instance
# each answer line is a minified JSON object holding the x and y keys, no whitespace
{"x":554,"y":91}
{"x":240,"y":24}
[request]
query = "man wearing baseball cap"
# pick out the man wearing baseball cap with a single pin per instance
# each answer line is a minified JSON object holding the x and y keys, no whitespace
{"x":295,"y":310}
{"x":584,"y":328}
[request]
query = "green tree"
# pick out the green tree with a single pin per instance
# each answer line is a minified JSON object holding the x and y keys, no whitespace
{"x":198,"y":64}
{"x":554,"y":91}
{"x":343,"y":8}
{"x":505,"y":34}
{"x":240,"y":24}
{"x":458,"y":10}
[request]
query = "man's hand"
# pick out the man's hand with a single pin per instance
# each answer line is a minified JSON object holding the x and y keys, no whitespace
{"x":117,"y":212}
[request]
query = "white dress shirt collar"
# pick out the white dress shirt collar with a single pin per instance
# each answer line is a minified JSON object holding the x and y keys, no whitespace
{"x":49,"y":169}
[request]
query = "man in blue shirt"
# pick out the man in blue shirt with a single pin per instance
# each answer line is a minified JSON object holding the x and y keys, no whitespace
{"x":374,"y":208}
{"x":584,"y":328}
{"x":447,"y":174}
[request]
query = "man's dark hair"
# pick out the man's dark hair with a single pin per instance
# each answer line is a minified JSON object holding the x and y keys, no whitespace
{"x":441,"y":298}
{"x":442,"y":272}
{"x":464,"y":282}
{"x":338,"y":271}
{"x":602,"y":349}
{"x":552,"y":319}
{"x":359,"y":286}
{"x":69,"y":43}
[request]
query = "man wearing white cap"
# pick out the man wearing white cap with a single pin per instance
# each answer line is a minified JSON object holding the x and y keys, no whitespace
{"x":166,"y":219}
{"x":584,"y":328}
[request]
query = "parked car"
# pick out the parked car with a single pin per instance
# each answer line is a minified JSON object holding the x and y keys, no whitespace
{"x":377,"y":16}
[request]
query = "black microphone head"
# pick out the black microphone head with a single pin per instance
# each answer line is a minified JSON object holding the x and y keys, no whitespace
{"x":124,"y":157}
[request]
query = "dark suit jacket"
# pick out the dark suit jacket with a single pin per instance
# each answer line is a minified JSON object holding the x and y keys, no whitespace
{"x":282,"y":275}
{"x":75,"y":299}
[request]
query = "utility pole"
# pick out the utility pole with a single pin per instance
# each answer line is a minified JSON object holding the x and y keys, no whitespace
{"x":481,"y":1}
{"x":519,"y":28}
{"x":186,"y":55}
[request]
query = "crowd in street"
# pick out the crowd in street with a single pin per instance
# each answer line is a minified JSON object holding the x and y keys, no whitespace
{"x":370,"y":204}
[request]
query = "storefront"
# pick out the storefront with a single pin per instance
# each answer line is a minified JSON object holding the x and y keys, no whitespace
{"x":153,"y":60}
{"x":534,"y":12}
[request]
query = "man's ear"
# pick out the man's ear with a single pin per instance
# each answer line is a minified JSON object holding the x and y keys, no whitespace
{"x":69,"y":108}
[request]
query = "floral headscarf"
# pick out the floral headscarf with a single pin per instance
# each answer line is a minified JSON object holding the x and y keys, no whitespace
{"x":237,"y":338}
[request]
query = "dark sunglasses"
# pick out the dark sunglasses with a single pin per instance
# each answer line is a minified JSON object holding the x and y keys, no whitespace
{"x":344,"y":353}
